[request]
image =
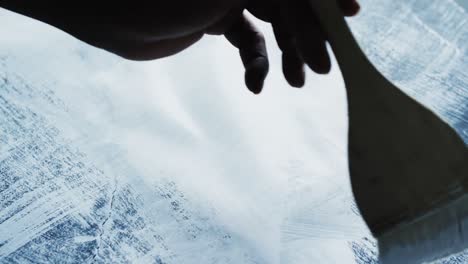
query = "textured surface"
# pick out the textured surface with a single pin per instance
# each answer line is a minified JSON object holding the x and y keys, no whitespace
{"x":108,"y":161}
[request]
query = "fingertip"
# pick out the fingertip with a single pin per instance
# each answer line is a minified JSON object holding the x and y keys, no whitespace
{"x":295,"y":78}
{"x":318,"y":60}
{"x":350,"y":7}
{"x":293,"y":69}
{"x":253,"y":83}
{"x":322,"y":67}
{"x":356,"y":7}
{"x":296,"y":82}
{"x":255,"y":74}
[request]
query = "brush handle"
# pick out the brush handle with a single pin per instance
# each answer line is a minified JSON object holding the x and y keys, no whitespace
{"x":354,"y":65}
{"x":404,"y":161}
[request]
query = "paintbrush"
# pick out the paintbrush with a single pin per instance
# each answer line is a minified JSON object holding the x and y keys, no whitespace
{"x":408,"y":168}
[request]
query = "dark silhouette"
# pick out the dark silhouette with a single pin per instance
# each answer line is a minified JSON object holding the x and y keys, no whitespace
{"x":146,"y":30}
{"x":408,"y":168}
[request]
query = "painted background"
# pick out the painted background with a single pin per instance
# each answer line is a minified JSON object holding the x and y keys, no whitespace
{"x":173,"y":161}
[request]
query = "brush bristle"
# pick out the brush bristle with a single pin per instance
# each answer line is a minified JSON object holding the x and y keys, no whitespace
{"x":436,"y":235}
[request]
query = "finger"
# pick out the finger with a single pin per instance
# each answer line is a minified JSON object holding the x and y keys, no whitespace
{"x":349,"y":7}
{"x":252,"y":49}
{"x":293,"y":65}
{"x":310,"y":39}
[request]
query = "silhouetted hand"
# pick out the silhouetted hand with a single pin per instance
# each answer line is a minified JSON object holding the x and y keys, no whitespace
{"x":299,"y":34}
{"x":146,"y":30}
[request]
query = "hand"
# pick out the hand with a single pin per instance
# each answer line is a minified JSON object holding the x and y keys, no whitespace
{"x":146,"y":30}
{"x":156,"y":29}
{"x":143,"y":30}
{"x":299,"y":34}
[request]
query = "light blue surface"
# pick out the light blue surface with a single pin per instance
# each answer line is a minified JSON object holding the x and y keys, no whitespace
{"x":109,"y":161}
